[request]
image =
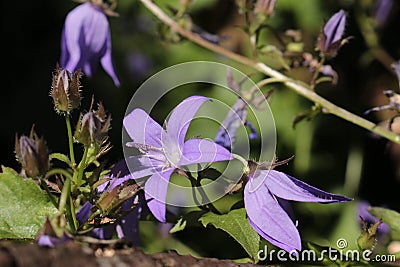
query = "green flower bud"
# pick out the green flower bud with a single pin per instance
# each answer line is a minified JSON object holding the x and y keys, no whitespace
{"x":33,"y":154}
{"x":65,"y":90}
{"x":368,"y":237}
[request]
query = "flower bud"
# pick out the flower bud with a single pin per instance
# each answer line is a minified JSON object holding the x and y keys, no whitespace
{"x":93,"y":127}
{"x":33,"y":154}
{"x":331,"y":38}
{"x":265,"y":7}
{"x":368,"y":237}
{"x":65,"y":90}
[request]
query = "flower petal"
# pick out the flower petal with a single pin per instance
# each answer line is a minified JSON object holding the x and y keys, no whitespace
{"x":107,"y":64}
{"x":156,"y":188}
{"x":226,"y":135}
{"x":129,"y":224}
{"x":334,"y":28}
{"x":84,"y":37}
{"x":287,"y":187}
{"x":203,"y":151}
{"x":141,"y":166}
{"x":181,"y":117}
{"x":143,"y":129}
{"x":84,"y":213}
{"x":270,"y":220}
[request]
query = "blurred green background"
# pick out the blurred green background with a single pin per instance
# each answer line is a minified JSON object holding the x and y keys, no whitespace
{"x":330,"y":153}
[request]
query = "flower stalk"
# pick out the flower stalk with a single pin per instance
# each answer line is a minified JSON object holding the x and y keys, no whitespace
{"x":296,"y":86}
{"x":70,"y":140}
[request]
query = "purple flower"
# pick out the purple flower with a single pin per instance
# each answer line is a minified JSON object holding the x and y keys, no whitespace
{"x":52,"y":241}
{"x":331,"y":38}
{"x":86,"y":41}
{"x":236,"y":117}
{"x":362,"y":211}
{"x":163,"y":151}
{"x":382,"y":10}
{"x":266,"y":198}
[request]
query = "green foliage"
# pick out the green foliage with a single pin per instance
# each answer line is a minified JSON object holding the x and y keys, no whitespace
{"x":23,"y":206}
{"x":236,"y":225}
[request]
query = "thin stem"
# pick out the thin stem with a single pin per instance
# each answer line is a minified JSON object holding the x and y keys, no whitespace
{"x":70,"y":140}
{"x":316,"y":72}
{"x":197,"y":185}
{"x":296,"y":86}
{"x":58,"y":171}
{"x":82,"y":166}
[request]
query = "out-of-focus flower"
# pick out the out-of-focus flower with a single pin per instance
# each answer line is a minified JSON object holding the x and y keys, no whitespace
{"x":331,"y":37}
{"x":396,"y":67}
{"x":86,"y":41}
{"x":164,"y":151}
{"x":266,"y":199}
{"x":236,"y":117}
{"x":65,"y":90}
{"x":373,"y":229}
{"x":362,"y":212}
{"x":382,"y":10}
{"x":33,"y":154}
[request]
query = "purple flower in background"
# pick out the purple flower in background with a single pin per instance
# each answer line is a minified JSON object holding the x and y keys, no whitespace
{"x":382,"y":10}
{"x":86,"y":40}
{"x":163,"y":151}
{"x":236,"y":117}
{"x":362,"y":211}
{"x":331,"y":38}
{"x":266,"y":199}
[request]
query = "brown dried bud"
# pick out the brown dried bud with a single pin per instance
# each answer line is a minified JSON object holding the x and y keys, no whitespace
{"x":33,"y":154}
{"x":65,"y":90}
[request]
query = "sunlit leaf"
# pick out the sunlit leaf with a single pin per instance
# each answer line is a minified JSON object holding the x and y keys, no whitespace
{"x":236,"y":225}
{"x":23,"y":206}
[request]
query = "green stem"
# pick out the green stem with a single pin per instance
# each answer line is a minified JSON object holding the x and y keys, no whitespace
{"x":58,"y":171}
{"x":70,"y":140}
{"x":197,"y":185}
{"x":296,"y":86}
{"x":82,"y":166}
{"x":316,"y":72}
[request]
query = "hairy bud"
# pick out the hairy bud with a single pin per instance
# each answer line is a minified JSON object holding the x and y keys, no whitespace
{"x":33,"y":154}
{"x":65,"y":90}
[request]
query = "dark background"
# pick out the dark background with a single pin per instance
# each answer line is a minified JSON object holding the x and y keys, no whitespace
{"x":31,"y":41}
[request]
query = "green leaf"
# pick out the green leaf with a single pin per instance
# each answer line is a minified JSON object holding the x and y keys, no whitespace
{"x":61,"y":157}
{"x":23,"y":206}
{"x":236,"y":224}
{"x":390,"y":217}
{"x":179,"y":226}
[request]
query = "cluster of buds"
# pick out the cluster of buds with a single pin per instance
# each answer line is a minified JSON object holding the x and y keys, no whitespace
{"x":33,"y":154}
{"x":261,"y":8}
{"x":65,"y":90}
{"x":92,"y":128}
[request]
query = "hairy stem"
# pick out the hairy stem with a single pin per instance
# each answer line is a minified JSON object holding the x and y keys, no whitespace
{"x":296,"y":86}
{"x":70,"y":140}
